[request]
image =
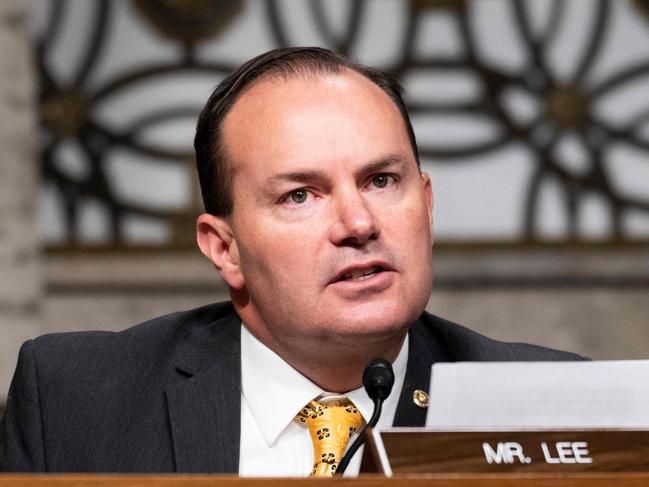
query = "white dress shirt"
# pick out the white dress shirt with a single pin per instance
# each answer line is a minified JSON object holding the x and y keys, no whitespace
{"x":273,"y":392}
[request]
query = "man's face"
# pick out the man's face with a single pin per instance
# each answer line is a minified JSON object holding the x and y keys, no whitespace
{"x":332,"y":219}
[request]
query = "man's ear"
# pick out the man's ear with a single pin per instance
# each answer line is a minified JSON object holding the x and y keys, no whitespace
{"x":216,"y":240}
{"x":428,"y":193}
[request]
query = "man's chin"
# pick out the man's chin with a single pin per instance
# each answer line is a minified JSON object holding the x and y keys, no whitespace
{"x":375,"y":322}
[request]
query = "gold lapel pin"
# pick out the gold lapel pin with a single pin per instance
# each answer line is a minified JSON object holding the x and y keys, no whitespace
{"x":420,"y":398}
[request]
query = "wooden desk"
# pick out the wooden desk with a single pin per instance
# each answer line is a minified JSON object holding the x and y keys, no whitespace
{"x":429,"y":480}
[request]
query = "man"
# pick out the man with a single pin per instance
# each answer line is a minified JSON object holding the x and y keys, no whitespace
{"x":319,"y":220}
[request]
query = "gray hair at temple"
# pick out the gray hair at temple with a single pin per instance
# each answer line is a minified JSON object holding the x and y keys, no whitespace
{"x":214,"y":172}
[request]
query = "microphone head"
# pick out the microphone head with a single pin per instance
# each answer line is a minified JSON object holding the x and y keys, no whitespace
{"x":378,"y":379}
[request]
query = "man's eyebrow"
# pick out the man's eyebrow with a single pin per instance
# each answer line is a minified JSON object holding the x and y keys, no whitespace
{"x":385,"y":162}
{"x":297,"y":176}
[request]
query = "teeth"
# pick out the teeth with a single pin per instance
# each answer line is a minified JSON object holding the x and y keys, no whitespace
{"x":362,"y":278}
{"x":361,"y":275}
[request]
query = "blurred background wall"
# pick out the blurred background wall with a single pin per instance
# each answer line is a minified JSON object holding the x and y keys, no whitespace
{"x":532,"y":118}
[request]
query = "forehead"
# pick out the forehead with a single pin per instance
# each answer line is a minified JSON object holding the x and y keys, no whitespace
{"x":311,"y":121}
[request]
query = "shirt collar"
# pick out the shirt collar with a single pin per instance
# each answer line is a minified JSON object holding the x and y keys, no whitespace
{"x":275,"y":392}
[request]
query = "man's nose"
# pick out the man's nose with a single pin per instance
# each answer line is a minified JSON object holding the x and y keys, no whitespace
{"x":354,"y":221}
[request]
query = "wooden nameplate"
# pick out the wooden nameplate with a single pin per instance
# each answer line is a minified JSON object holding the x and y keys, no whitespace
{"x":421,"y":450}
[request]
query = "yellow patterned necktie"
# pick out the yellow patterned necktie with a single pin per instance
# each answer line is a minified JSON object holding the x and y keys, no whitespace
{"x":331,"y":424}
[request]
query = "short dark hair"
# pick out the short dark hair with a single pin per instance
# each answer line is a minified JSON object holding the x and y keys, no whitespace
{"x":211,"y":159}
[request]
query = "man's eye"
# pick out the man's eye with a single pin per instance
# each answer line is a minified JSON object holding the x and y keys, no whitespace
{"x":298,"y":196}
{"x":381,"y":180}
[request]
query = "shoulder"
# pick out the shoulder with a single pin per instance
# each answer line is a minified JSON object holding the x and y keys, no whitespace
{"x":463,"y":344}
{"x":145,"y":344}
{"x":153,"y":331}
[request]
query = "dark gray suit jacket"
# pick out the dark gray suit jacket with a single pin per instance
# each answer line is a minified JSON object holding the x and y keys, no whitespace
{"x":165,"y":395}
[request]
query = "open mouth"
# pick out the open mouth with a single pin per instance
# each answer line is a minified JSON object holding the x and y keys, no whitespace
{"x":360,"y":274}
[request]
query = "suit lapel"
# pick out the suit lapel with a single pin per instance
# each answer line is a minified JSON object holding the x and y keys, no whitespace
{"x":205,"y":404}
{"x":423,"y":351}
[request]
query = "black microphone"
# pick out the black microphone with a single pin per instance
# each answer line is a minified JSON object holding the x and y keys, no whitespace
{"x":378,"y":380}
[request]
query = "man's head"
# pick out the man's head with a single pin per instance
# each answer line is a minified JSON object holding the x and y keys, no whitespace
{"x":326,"y":244}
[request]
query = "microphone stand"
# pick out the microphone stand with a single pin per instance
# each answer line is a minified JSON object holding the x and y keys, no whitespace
{"x":378,"y":379}
{"x":360,"y":439}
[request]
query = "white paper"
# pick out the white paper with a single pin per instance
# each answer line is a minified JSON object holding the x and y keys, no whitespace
{"x":539,"y":394}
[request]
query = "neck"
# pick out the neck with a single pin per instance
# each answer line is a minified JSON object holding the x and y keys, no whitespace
{"x":333,"y":366}
{"x":346,"y":373}
{"x":336,"y":364}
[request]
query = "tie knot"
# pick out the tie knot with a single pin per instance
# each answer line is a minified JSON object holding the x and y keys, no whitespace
{"x":331,"y":424}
